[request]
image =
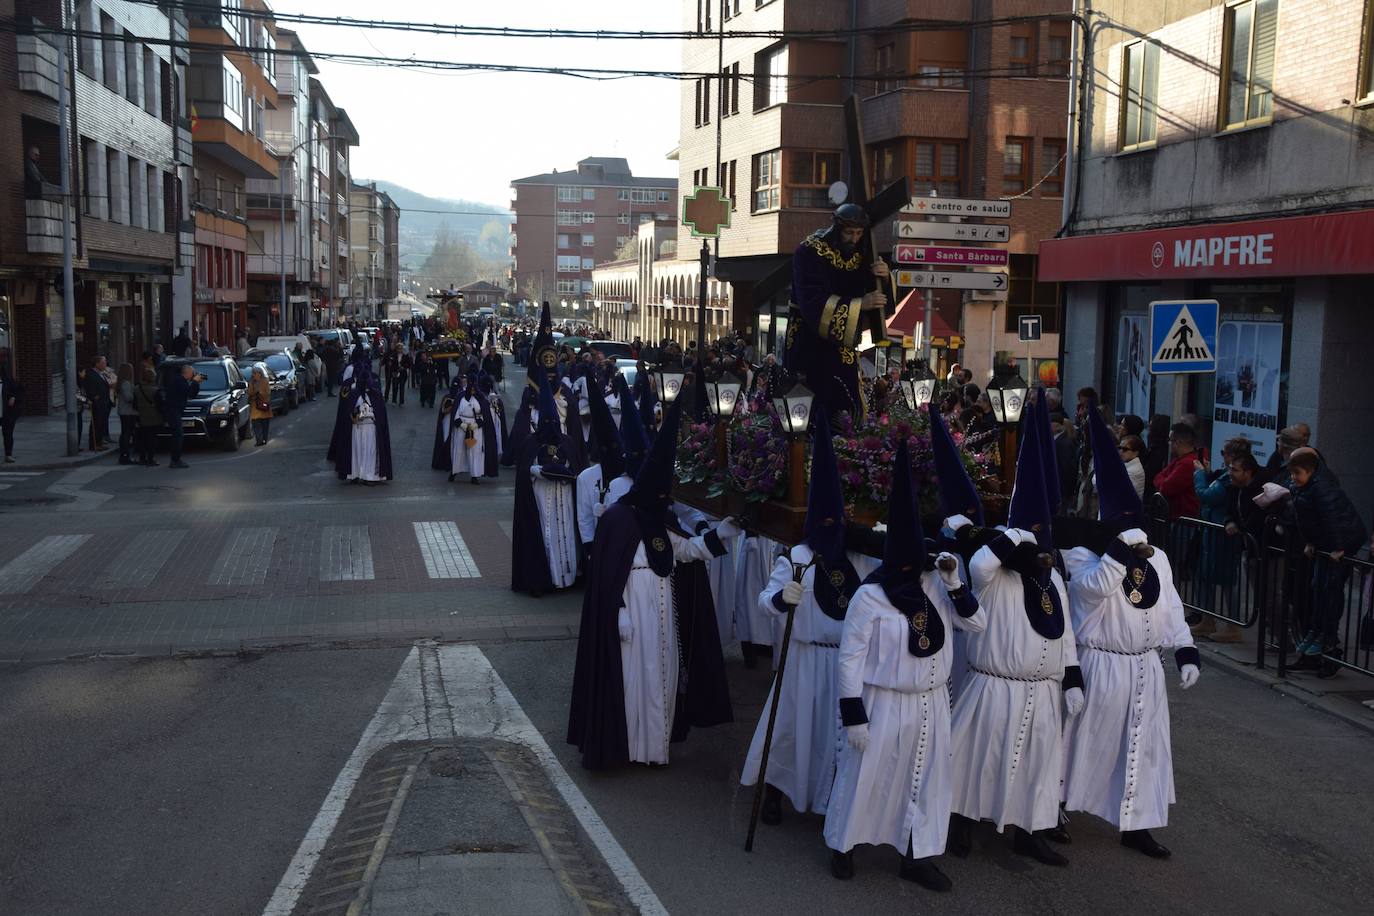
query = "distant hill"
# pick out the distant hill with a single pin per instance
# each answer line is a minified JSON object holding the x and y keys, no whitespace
{"x":484,"y":227}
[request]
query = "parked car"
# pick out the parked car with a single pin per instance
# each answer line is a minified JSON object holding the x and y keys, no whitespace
{"x":284,"y":376}
{"x":628,"y":368}
{"x":342,"y":335}
{"x":611,"y":349}
{"x":220,"y":412}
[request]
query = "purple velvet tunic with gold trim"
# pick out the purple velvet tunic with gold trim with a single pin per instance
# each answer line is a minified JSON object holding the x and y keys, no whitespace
{"x":823,"y":329}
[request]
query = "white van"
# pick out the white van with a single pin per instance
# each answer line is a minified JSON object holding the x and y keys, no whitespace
{"x":342,"y":335}
{"x":283,"y":343}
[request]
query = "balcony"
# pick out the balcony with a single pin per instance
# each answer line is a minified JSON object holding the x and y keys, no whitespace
{"x":43,"y":226}
{"x":341,"y":246}
{"x":37,"y":66}
{"x":916,"y":112}
{"x":221,"y":140}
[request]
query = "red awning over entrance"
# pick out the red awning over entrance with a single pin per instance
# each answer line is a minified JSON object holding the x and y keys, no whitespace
{"x":911,"y":311}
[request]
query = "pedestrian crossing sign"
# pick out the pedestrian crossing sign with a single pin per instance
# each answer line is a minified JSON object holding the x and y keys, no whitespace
{"x":1183,"y":336}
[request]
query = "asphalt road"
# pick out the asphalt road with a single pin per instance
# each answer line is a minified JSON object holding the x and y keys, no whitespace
{"x":167,"y":784}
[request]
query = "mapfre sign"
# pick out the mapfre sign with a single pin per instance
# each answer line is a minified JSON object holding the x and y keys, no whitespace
{"x":1321,"y":245}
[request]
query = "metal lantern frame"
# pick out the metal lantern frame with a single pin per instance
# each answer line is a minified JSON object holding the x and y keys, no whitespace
{"x":794,"y":409}
{"x":669,"y":382}
{"x":1008,"y":396}
{"x":722,"y":395}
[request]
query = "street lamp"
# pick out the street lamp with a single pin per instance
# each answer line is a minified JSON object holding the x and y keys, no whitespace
{"x":669,"y":383}
{"x":722,"y":395}
{"x":794,"y":412}
{"x":1008,"y":396}
{"x":918,"y":387}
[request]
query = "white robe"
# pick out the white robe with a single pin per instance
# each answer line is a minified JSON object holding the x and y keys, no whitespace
{"x":649,"y":658}
{"x":801,"y":761}
{"x":1008,"y":755}
{"x":557,"y":516}
{"x":364,"y":432}
{"x":755,"y":619}
{"x":589,"y":496}
{"x":466,"y":459}
{"x":613,"y":402}
{"x":1118,"y":758}
{"x":493,"y":400}
{"x":898,"y":790}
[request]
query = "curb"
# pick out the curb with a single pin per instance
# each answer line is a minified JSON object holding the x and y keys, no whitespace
{"x":1347,"y":711}
{"x":76,"y":462}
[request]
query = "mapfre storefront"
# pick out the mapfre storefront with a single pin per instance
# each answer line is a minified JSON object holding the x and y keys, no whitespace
{"x":1295,"y":336}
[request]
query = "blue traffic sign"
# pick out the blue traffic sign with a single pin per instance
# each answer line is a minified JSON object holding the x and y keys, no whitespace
{"x":1183,"y":336}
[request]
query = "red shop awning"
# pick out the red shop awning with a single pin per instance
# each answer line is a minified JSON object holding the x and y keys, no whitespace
{"x":911,"y":311}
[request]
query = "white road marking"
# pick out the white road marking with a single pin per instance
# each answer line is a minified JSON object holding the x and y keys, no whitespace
{"x":141,"y":560}
{"x":345,"y":554}
{"x":475,"y":703}
{"x":245,"y":558}
{"x":506,"y":525}
{"x":72,"y":484}
{"x":444,"y":551}
{"x":23,"y":572}
{"x":4,"y":474}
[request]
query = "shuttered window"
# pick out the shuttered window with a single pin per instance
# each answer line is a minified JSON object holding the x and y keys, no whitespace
{"x":1248,"y":89}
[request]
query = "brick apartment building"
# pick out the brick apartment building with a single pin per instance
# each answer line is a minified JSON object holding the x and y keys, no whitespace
{"x":374,"y":223}
{"x":333,"y":136}
{"x":563,"y":223}
{"x":125,"y":150}
{"x":931,"y":116}
{"x":1234,"y":167}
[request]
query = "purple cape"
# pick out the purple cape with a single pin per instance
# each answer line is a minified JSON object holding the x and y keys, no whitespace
{"x":342,"y":445}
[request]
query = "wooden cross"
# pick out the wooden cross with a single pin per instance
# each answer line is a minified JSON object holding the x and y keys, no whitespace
{"x":706,"y":211}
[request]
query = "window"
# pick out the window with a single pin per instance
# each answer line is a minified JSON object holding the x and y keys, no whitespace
{"x":569,"y":194}
{"x":589,"y":193}
{"x":662,"y":197}
{"x":564,"y":241}
{"x":588,"y":240}
{"x":150,"y":83}
{"x":1248,"y":87}
{"x":233,"y":94}
{"x":1022,"y":52}
{"x":734,"y":88}
{"x":623,"y":218}
{"x":114,"y":178}
{"x":941,"y":59}
{"x":809,"y":177}
{"x":588,"y":263}
{"x":136,"y":201}
{"x":622,"y":194}
{"x":1367,"y":57}
{"x":91,"y":162}
{"x":700,"y":178}
{"x":770,"y":78}
{"x":1060,"y":46}
{"x":885,"y":67}
{"x":152,"y":188}
{"x":1052,"y":161}
{"x":1016,"y":164}
{"x":133,"y":69}
{"x":588,"y":216}
{"x":767,"y":180}
{"x":725,"y":178}
{"x":110,"y":47}
{"x":1026,"y":296}
{"x":705,"y":101}
{"x":939,"y":167}
{"x":569,"y":263}
{"x":1140,"y":80}
{"x":568,"y":286}
{"x":889,"y":162}
{"x":567,"y":217}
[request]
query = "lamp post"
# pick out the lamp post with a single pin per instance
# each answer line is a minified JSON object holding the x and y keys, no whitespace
{"x":1007,"y":392}
{"x":794,"y":412}
{"x":721,"y":397}
{"x":669,"y":384}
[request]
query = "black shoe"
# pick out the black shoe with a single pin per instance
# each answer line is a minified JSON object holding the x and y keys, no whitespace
{"x":1141,"y":841}
{"x":1034,"y":846}
{"x":771,"y":813}
{"x":178,"y":465}
{"x":450,"y":478}
{"x":125,"y":459}
{"x":842,"y":865}
{"x":924,"y":873}
{"x":1058,"y":835}
{"x":960,"y":842}
{"x":476,"y":481}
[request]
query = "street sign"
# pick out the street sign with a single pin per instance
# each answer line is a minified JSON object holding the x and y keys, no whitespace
{"x":939,"y":279}
{"x":958,"y":232}
{"x":988,"y":295}
{"x":706,"y":211}
{"x":958,"y":206}
{"x":1028,"y":327}
{"x":907,"y":253}
{"x":1183,"y":336}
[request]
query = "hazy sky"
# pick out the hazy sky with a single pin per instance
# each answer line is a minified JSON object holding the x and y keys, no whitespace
{"x":469,"y":134}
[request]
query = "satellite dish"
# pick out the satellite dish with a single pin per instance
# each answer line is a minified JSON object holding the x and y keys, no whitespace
{"x":838,"y":193}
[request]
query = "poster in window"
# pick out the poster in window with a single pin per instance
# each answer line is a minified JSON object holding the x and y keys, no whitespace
{"x":1249,"y":362}
{"x":1047,"y":373}
{"x":1133,"y":369}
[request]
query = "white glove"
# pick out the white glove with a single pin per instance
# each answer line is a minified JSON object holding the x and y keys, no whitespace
{"x":857,"y":736}
{"x":598,"y":509}
{"x":950,"y":577}
{"x":1073,"y":700}
{"x":728,"y":530}
{"x":1132,"y":536}
{"x":792,"y":593}
{"x":1016,"y":536}
{"x":626,"y":629}
{"x":955,"y":522}
{"x":535,"y":470}
{"x":1187,"y":676}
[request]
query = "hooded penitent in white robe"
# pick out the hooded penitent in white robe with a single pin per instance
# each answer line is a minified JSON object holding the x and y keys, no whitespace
{"x":649,"y":656}
{"x":467,"y":459}
{"x":590,"y":495}
{"x":554,"y":500}
{"x":897,"y":791}
{"x":1118,"y":759}
{"x":364,"y":432}
{"x":756,"y":620}
{"x":1007,"y":730}
{"x":806,"y":736}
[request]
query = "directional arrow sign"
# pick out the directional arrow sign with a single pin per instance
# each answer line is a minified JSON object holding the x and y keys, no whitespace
{"x":959,"y":232}
{"x":939,"y":279}
{"x":956,"y":257}
{"x":958,"y":206}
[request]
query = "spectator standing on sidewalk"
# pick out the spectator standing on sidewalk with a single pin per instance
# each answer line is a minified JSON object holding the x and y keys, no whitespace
{"x":1219,"y":554}
{"x":128,"y":412}
{"x":1175,"y":482}
{"x":1156,"y":454}
{"x":11,"y":393}
{"x":260,"y":404}
{"x":97,"y":390}
{"x":1327,"y":523}
{"x":333,"y":365}
{"x":180,"y":388}
{"x":149,"y":417}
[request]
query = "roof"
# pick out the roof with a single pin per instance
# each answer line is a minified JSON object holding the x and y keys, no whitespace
{"x":482,"y":286}
{"x":599,"y":171}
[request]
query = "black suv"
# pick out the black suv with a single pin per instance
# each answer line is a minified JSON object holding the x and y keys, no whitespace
{"x":220,"y":412}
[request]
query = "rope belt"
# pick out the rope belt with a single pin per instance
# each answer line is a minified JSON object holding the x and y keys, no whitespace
{"x":819,"y":645}
{"x":1115,"y":651}
{"x":1007,"y":677}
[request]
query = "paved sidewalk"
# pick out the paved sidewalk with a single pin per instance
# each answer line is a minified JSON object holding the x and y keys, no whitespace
{"x":40,"y":443}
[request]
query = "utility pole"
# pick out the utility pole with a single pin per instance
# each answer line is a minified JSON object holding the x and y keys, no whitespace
{"x":68,"y":294}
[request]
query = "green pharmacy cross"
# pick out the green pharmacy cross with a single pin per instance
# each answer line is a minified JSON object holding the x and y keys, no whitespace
{"x":706,"y":211}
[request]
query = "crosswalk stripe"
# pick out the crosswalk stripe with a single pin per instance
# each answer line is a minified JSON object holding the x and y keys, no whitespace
{"x":245,"y":558}
{"x":444,"y":551}
{"x":5,"y":486}
{"x":345,"y":554}
{"x":507,"y":526}
{"x":22,"y":473}
{"x":141,"y":560}
{"x":23,"y":572}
